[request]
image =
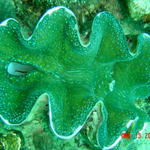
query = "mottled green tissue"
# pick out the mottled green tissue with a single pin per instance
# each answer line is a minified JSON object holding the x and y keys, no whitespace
{"x":75,"y":75}
{"x":7,"y":9}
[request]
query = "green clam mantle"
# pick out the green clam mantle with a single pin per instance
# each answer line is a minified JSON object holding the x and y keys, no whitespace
{"x":75,"y":75}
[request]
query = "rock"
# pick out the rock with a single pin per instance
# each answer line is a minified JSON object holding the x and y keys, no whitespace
{"x":139,"y":9}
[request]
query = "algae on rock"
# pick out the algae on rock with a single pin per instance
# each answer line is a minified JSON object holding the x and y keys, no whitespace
{"x":139,"y":9}
{"x":10,"y":141}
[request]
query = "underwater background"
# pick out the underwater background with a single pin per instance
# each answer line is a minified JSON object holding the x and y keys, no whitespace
{"x":99,"y":101}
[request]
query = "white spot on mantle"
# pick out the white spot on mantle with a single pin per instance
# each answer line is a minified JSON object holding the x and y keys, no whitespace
{"x":111,"y":85}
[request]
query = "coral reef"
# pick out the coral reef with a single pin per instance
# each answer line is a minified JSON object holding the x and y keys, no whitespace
{"x":28,"y":13}
{"x":10,"y":141}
